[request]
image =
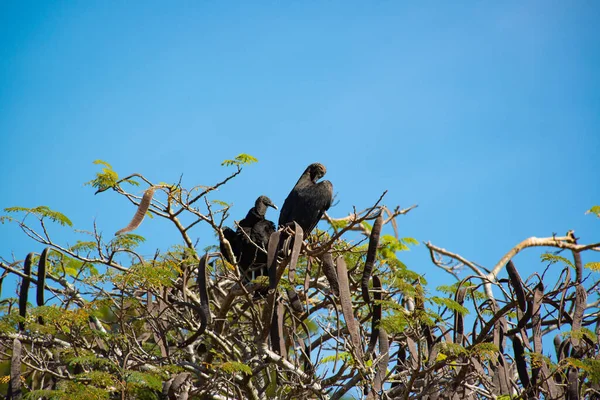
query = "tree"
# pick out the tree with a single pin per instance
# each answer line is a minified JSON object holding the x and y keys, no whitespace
{"x":342,"y":316}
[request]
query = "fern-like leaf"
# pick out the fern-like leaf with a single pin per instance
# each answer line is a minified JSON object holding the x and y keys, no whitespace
{"x":594,"y":210}
{"x":239,"y":160}
{"x":555,"y":258}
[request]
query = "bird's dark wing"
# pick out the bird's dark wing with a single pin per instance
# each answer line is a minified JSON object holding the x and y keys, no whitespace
{"x":318,"y":201}
{"x":287,"y":210}
{"x":261,"y":232}
{"x":234,"y":242}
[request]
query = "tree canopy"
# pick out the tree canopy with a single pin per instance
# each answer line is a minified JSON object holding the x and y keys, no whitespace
{"x":339,"y":316}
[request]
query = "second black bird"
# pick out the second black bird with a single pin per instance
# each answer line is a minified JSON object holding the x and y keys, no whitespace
{"x":252,"y":231}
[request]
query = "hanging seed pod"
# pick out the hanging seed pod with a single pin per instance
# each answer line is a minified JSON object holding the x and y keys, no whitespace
{"x":204,"y":303}
{"x":330,"y":274}
{"x":24,"y":293}
{"x":384,"y":352}
{"x":14,"y":386}
{"x":376,"y":314}
{"x":4,"y":275}
{"x":459,"y":326}
{"x":272,"y":250}
{"x":291,"y":292}
{"x":140,"y":213}
{"x":517,"y":284}
{"x":346,"y":301}
{"x":519,"y":351}
{"x":371,"y":254}
{"x":41,"y":284}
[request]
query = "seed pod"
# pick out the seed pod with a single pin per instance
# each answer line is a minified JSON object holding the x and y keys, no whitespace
{"x":204,"y":303}
{"x":459,"y":326}
{"x":291,"y":292}
{"x":140,"y":213}
{"x":14,"y":386}
{"x":536,"y":327}
{"x":517,"y":284}
{"x":371,"y":254}
{"x":4,"y":275}
{"x":24,"y":293}
{"x":42,"y":280}
{"x":376,"y":314}
{"x":330,"y":274}
{"x":384,"y":353}
{"x":519,"y":351}
{"x":346,"y":301}
{"x":272,"y":250}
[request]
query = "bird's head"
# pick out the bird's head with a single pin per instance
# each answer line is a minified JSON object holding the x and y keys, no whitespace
{"x":262,"y":203}
{"x":316,"y":171}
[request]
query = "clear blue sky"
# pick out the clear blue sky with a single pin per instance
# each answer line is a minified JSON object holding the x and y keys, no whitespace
{"x":485,"y":114}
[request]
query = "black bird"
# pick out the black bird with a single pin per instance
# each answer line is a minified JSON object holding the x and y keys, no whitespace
{"x":254,"y":230}
{"x":308,"y":200}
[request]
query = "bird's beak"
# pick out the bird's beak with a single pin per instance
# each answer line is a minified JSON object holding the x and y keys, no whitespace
{"x":272,"y":205}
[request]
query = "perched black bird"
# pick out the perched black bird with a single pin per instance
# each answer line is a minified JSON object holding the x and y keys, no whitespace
{"x":254,"y":230}
{"x":308,"y":200}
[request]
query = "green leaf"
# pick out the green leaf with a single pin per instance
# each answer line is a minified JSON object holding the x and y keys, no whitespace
{"x":240,"y":159}
{"x":594,"y":210}
{"x":82,"y":245}
{"x":221,"y":203}
{"x":345,"y":356}
{"x":106,"y":179}
{"x":339,"y":224}
{"x":232,"y":367}
{"x":43,"y":212}
{"x":127,"y":241}
{"x":594,"y":266}
{"x":450,"y":304}
{"x":555,"y":258}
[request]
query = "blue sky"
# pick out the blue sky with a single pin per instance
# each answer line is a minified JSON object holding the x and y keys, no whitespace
{"x":484,"y":114}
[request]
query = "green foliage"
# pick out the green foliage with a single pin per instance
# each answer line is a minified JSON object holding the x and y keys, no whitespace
{"x":148,"y":275}
{"x":83,"y":246}
{"x":470,"y":294}
{"x":594,"y":210}
{"x":9,"y":321}
{"x":79,"y":391}
{"x":70,"y":390}
{"x":390,"y":245}
{"x":91,"y":360}
{"x":487,"y":351}
{"x":42,"y":394}
{"x":239,"y":160}
{"x":592,"y":367}
{"x":452,"y":349}
{"x":594,"y":266}
{"x":580,"y":334}
{"x":450,"y":304}
{"x":396,"y":322}
{"x":220,"y":203}
{"x":108,"y":178}
{"x":98,"y":378}
{"x":127,"y":241}
{"x":231,"y":367}
{"x":343,"y":355}
{"x":555,"y":258}
{"x":138,"y":381}
{"x":337,"y":225}
{"x":42,"y":212}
